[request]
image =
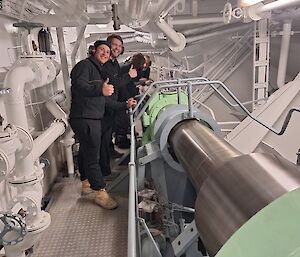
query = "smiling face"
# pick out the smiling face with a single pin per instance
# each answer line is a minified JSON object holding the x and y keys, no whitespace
{"x":102,"y":53}
{"x":116,"y":48}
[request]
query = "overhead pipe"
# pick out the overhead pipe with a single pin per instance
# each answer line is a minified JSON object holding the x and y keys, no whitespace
{"x":137,"y":39}
{"x":284,"y":53}
{"x":178,"y":40}
{"x":217,"y":33}
{"x":149,"y":16}
{"x":277,"y":5}
{"x":198,"y":30}
{"x":68,"y":13}
{"x":188,"y":20}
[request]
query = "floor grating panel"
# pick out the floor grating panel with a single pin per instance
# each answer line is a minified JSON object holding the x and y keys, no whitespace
{"x":79,"y":228}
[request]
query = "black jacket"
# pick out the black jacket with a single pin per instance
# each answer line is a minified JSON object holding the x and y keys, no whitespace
{"x":87,"y":101}
{"x":111,"y":70}
{"x":130,"y":89}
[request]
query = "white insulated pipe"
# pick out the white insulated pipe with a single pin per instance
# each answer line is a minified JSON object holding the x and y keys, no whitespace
{"x":14,"y":102}
{"x":64,"y":63}
{"x":277,"y":5}
{"x":199,"y":30}
{"x":178,"y":40}
{"x":284,"y":53}
{"x":77,"y":44}
{"x":217,"y":33}
{"x":187,"y":20}
{"x":42,"y":142}
{"x":56,"y":110}
{"x":68,"y":140}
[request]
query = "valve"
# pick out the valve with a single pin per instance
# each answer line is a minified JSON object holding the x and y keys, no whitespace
{"x":12,"y":229}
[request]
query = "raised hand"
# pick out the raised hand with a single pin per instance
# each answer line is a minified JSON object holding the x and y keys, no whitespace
{"x":107,"y":89}
{"x":131,"y":102}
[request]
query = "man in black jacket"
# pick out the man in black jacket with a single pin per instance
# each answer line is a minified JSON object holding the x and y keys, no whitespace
{"x":111,"y":69}
{"x":87,"y":109}
{"x":122,"y":122}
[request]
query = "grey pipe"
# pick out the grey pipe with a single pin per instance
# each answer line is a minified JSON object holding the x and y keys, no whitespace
{"x":232,"y":187}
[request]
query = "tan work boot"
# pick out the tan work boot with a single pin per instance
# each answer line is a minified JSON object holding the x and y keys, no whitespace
{"x":105,"y":200}
{"x":86,"y":187}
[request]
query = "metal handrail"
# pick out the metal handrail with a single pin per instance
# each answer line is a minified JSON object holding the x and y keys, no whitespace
{"x":194,"y":82}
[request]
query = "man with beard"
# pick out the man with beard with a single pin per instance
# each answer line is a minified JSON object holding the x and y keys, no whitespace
{"x":111,"y":69}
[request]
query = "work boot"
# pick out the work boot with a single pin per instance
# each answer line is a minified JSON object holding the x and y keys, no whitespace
{"x":86,"y":187}
{"x":105,"y":200}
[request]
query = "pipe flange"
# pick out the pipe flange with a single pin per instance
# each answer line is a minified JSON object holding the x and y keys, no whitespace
{"x":179,"y":47}
{"x":26,"y":141}
{"x":52,"y":70}
{"x":167,"y":120}
{"x":227,"y":13}
{"x":12,"y":229}
{"x":28,"y":207}
{"x":64,"y":121}
{"x":43,"y":223}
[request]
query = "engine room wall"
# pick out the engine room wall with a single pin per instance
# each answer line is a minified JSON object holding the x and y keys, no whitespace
{"x":240,"y":83}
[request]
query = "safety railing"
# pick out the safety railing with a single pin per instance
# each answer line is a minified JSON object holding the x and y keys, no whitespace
{"x":189,"y":83}
{"x":135,"y":114}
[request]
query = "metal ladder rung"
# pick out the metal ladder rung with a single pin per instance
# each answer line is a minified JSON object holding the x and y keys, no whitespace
{"x":261,"y":63}
{"x":261,"y":40}
{"x":260,"y":85}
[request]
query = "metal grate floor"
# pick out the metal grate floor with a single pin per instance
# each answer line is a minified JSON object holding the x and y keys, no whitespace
{"x":79,"y":228}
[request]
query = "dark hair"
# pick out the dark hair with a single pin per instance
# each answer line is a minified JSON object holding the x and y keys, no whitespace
{"x":101,"y":42}
{"x":91,"y":50}
{"x":138,"y":61}
{"x":112,"y":36}
{"x":149,"y":60}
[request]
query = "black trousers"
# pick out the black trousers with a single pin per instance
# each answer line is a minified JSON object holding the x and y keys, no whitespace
{"x":105,"y":152}
{"x":89,"y":135}
{"x":122,"y":123}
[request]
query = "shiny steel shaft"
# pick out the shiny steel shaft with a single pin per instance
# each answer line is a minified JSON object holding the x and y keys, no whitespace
{"x":232,"y":187}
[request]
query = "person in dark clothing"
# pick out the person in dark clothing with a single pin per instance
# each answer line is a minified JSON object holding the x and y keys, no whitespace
{"x":122,"y":122}
{"x":87,"y":110}
{"x":146,"y":67}
{"x":111,"y":69}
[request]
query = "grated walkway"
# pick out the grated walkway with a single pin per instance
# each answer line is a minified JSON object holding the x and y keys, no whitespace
{"x":79,"y":228}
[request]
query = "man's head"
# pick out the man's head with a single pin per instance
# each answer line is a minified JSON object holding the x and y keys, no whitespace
{"x":147,"y":63}
{"x":102,"y":51}
{"x":116,"y":43}
{"x":138,"y":61}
